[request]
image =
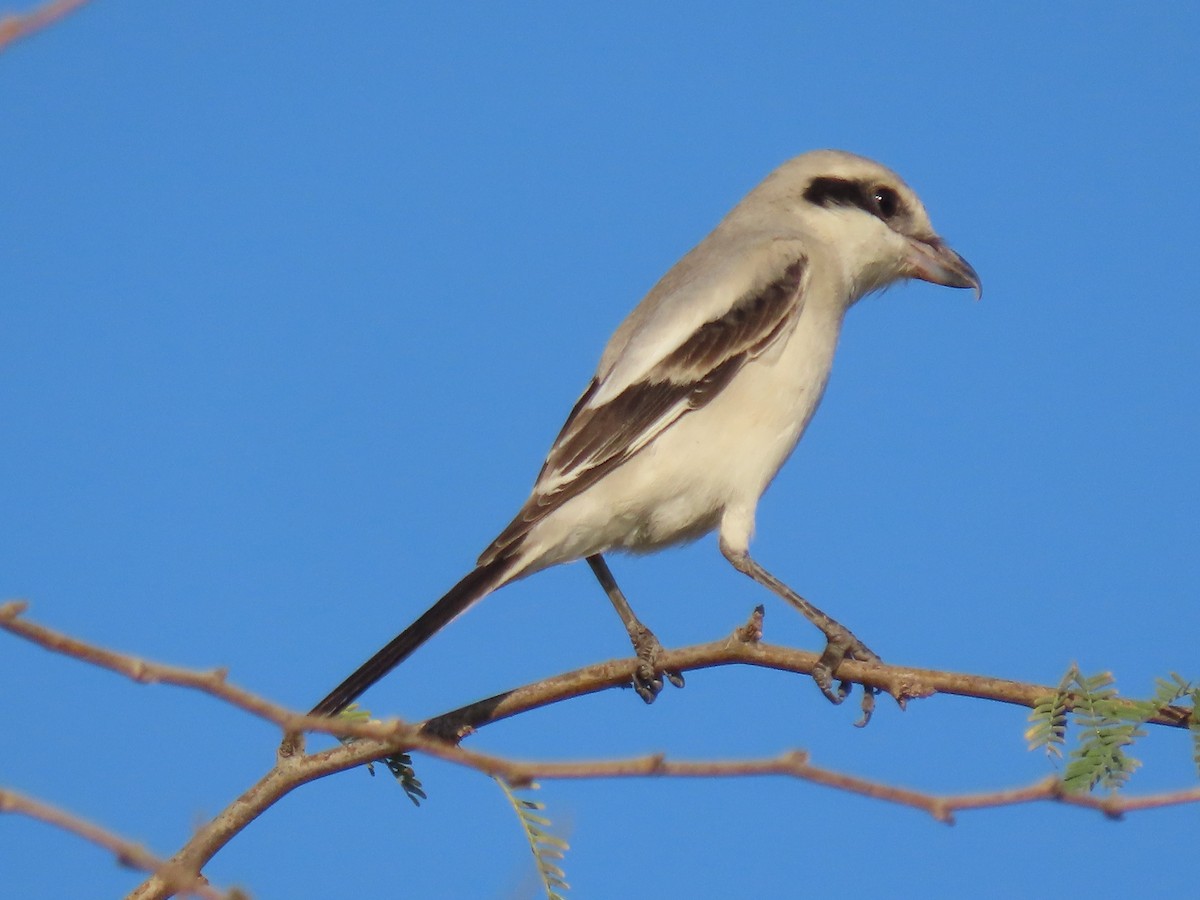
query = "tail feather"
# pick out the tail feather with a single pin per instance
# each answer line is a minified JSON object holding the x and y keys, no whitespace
{"x":478,"y":583}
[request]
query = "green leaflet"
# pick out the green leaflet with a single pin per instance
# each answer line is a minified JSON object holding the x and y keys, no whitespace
{"x":1107,"y":725}
{"x":399,"y":764}
{"x":1194,"y":726}
{"x":547,"y":848}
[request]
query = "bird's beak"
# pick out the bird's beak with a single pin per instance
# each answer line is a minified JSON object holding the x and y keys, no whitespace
{"x":930,"y":259}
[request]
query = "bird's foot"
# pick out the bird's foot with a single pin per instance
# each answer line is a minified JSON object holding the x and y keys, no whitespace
{"x":841,"y":644}
{"x":648,"y":676}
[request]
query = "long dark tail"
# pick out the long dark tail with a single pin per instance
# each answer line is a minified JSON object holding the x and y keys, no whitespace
{"x":480,"y":582}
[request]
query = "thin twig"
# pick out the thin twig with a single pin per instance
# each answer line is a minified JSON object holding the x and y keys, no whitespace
{"x":902,"y":682}
{"x":795,"y":764}
{"x":440,"y":736}
{"x":15,"y":27}
{"x":899,"y":681}
{"x":128,"y":853}
{"x":213,"y":681}
{"x":298,"y":770}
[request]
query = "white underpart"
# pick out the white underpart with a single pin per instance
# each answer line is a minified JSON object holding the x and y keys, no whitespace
{"x":709,"y":469}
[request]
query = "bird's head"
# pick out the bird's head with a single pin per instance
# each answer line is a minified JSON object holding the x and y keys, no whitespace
{"x":868,"y":218}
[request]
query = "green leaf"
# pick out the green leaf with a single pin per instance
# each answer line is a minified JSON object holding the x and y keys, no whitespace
{"x":1048,"y":730}
{"x":399,"y":764}
{"x":544,"y":846}
{"x":1108,"y":726}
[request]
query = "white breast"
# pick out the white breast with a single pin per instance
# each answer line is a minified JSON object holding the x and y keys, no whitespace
{"x":710,"y":467}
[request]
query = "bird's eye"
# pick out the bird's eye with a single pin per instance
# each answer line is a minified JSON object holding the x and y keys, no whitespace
{"x":886,"y":201}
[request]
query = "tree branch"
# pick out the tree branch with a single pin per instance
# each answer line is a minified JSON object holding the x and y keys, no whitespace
{"x":740,"y":648}
{"x":743,"y":647}
{"x":440,"y":737}
{"x":15,"y":27}
{"x":212,"y":681}
{"x":128,"y":853}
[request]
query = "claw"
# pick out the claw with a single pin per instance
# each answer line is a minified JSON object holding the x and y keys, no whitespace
{"x":868,"y":707}
{"x":822,"y":674}
{"x":647,"y":683}
{"x":840,"y":645}
{"x":843,"y":690}
{"x":648,"y":679}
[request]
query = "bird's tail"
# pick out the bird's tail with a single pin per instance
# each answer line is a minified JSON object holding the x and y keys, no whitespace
{"x":478,"y":583}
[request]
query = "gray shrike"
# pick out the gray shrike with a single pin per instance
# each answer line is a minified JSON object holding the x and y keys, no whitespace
{"x":703,"y":392}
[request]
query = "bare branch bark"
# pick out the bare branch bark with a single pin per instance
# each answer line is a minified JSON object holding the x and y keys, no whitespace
{"x":740,"y":648}
{"x":127,"y":852}
{"x":441,"y":735}
{"x":902,"y":682}
{"x":15,"y":27}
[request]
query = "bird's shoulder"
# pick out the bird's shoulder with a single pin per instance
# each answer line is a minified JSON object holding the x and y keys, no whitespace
{"x":704,"y":286}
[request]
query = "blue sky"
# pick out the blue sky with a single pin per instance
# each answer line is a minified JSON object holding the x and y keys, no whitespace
{"x":295,"y":298}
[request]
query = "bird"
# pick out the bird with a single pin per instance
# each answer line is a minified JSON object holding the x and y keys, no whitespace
{"x":701,"y":395}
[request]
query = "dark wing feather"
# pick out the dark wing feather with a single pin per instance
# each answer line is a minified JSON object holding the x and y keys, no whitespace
{"x":595,"y":440}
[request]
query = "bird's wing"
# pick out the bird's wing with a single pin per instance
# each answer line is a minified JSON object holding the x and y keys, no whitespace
{"x":605,"y":428}
{"x":702,"y":287}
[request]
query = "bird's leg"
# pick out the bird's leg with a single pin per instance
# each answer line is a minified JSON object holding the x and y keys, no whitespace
{"x":840,"y":641}
{"x":646,"y":681}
